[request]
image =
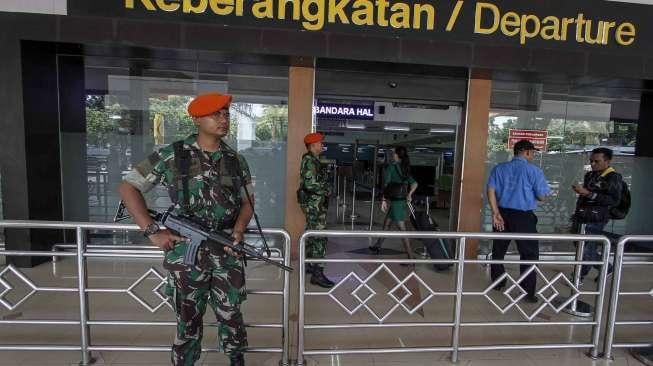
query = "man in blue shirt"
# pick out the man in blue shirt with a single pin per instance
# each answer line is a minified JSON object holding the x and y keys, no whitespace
{"x":514,"y":190}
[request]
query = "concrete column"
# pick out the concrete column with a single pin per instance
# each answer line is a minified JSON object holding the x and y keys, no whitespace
{"x":301,"y":80}
{"x":13,"y":167}
{"x":30,"y":155}
{"x":638,"y":220}
{"x":645,"y":126}
{"x":472,"y":144}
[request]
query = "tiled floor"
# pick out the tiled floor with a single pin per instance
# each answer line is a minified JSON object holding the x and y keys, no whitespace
{"x":121,"y":274}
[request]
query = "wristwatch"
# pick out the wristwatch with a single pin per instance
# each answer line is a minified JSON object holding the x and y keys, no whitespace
{"x":151,"y":229}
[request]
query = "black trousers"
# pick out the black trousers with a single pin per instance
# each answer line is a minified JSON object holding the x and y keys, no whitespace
{"x":517,"y":222}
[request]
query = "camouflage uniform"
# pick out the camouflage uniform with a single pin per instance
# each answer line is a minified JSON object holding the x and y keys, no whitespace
{"x":314,"y":202}
{"x":215,"y":190}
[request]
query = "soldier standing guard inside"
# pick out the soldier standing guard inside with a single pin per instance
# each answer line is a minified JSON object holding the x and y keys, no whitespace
{"x":313,"y":197}
{"x":208,"y":180}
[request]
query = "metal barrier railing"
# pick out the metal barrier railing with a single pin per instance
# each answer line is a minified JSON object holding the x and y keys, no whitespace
{"x":618,"y":292}
{"x":82,"y":253}
{"x":457,"y":322}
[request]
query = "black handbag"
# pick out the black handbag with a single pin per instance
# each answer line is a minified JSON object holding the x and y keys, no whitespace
{"x":396,"y":191}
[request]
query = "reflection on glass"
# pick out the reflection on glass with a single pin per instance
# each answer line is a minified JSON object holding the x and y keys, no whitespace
{"x":258,"y":131}
{"x":574,"y":130}
{"x":136,"y":106}
{"x":108,"y":152}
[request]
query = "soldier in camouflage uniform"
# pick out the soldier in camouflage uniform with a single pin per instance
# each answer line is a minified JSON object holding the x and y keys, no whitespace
{"x":313,"y":196}
{"x":217,"y":181}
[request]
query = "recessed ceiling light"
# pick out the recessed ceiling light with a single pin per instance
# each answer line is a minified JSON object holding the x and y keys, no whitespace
{"x":396,"y":128}
{"x":442,"y":130}
{"x":355,"y":126}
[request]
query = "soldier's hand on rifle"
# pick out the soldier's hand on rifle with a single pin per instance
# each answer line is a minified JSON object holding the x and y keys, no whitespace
{"x":165,"y":239}
{"x":238,"y":238}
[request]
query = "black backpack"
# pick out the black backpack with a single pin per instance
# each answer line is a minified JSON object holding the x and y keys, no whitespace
{"x":620,"y":211}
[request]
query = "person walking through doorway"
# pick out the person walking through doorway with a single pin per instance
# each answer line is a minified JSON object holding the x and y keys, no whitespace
{"x":398,"y":189}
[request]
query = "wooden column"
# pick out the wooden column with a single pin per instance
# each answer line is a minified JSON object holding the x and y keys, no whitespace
{"x":301,"y":80}
{"x":471,"y":184}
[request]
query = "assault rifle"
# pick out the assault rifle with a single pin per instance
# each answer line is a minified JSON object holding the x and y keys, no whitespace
{"x":198,"y":235}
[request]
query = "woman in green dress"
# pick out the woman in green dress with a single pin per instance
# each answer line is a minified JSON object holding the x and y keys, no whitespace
{"x":397,"y":209}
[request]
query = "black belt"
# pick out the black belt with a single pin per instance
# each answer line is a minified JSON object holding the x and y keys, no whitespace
{"x":515,"y":210}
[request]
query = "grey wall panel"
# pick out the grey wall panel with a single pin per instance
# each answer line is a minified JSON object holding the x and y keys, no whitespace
{"x":375,"y":86}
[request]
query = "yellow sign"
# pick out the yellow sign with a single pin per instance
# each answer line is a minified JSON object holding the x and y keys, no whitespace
{"x":527,"y":26}
{"x":489,"y":18}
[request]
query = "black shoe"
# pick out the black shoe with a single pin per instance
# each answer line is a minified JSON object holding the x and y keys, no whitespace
{"x":318,"y":278}
{"x":499,"y":287}
{"x":237,"y":360}
{"x":531,"y":299}
{"x":374,"y":249}
{"x":309,"y":268}
{"x":328,"y":279}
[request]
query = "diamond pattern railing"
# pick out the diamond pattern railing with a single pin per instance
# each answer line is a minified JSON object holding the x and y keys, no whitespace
{"x":13,"y":280}
{"x":8,"y":287}
{"x":156,"y":290}
{"x":401,"y":296}
{"x":547,"y":301}
{"x":618,"y":317}
{"x":398,"y":302}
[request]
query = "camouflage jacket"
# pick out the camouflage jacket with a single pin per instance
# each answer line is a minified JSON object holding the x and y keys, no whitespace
{"x":313,"y":179}
{"x":215,"y":184}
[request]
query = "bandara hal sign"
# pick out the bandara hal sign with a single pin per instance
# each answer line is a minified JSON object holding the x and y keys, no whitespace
{"x":344,"y":111}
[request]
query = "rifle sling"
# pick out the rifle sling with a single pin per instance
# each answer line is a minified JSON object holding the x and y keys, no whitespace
{"x":182,"y":163}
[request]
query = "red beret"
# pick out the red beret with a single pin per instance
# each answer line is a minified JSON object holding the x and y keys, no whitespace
{"x":206,"y":104}
{"x":312,"y":138}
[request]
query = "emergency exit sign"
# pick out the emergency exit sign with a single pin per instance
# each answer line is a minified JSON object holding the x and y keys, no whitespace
{"x":539,"y":138}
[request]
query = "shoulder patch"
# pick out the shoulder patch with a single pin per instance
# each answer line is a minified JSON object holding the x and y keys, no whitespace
{"x":167,"y":152}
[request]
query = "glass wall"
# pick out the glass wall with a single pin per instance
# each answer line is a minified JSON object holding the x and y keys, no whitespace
{"x":134,"y":106}
{"x":576,"y":116}
{"x":2,"y":231}
{"x":415,"y":106}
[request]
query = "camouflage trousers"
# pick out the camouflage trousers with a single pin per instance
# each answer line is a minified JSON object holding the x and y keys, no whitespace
{"x":217,"y":279}
{"x":316,"y":219}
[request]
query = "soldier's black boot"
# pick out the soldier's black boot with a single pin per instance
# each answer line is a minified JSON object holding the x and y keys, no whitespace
{"x":331,"y":283}
{"x":237,"y":359}
{"x":318,"y":278}
{"x":309,"y":268}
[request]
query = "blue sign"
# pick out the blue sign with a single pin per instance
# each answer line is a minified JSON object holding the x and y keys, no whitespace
{"x":344,"y":111}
